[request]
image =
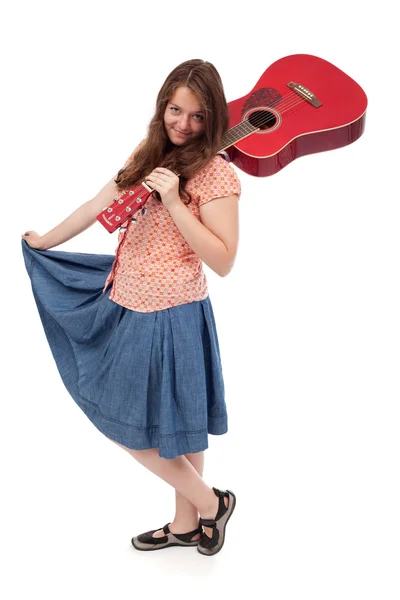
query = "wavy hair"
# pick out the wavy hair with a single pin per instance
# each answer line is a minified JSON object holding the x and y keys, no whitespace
{"x":202,"y":78}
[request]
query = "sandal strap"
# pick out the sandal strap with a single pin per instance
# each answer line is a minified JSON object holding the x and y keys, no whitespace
{"x":184,"y":537}
{"x":208,"y":523}
{"x":165,"y":528}
{"x":187,"y":537}
{"x":219,"y":493}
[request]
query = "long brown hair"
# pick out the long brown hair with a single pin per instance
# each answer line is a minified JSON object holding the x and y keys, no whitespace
{"x":202,"y":78}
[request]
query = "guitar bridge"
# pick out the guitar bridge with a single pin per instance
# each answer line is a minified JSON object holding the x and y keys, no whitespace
{"x":305,"y":93}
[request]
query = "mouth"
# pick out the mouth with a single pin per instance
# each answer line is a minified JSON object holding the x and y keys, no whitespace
{"x":180,"y":133}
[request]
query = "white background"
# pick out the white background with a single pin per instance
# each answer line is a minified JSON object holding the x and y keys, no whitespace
{"x":308,"y":319}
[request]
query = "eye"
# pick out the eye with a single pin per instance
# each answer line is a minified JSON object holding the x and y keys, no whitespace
{"x":198,"y":117}
{"x":174,"y":108}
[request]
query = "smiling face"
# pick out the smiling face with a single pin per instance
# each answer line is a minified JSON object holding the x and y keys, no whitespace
{"x":183,"y":117}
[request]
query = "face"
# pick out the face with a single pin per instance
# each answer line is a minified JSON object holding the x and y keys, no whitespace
{"x":183,"y":117}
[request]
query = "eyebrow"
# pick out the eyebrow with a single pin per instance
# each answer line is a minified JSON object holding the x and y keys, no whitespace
{"x":196,"y":112}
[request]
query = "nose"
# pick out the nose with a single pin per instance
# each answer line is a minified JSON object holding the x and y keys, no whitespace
{"x":184,"y":123}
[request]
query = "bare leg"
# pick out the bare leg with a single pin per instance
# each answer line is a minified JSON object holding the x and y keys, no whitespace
{"x":186,"y":514}
{"x":182,"y":475}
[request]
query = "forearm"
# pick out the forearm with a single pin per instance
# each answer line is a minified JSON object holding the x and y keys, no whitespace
{"x":78,"y":221}
{"x":208,"y":247}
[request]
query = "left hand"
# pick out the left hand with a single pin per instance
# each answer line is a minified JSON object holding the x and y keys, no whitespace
{"x":166,"y":183}
{"x":33,"y":239}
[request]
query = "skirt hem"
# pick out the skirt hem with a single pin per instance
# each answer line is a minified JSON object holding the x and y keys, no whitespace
{"x":143,"y":438}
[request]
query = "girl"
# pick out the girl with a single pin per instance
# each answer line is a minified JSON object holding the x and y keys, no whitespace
{"x":140,"y":354}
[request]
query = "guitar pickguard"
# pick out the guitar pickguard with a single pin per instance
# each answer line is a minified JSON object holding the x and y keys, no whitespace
{"x":262,"y":97}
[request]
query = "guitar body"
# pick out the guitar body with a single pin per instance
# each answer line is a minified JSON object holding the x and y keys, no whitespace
{"x":295,"y":126}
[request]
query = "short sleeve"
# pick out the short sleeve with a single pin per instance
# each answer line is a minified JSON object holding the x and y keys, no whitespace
{"x":220,"y":180}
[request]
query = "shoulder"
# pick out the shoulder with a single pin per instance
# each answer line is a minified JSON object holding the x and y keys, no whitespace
{"x":217,"y":167}
{"x":216,"y":180}
{"x":217,"y":171}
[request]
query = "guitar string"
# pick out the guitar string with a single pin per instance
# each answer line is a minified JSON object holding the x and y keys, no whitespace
{"x":287,"y":101}
{"x":243,"y":128}
{"x":256,"y":124}
{"x":282,"y":108}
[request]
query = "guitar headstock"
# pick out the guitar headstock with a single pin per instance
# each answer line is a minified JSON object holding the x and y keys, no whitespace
{"x":124,"y":207}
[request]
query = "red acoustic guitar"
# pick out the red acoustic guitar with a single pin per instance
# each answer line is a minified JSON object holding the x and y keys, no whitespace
{"x":301,"y":105}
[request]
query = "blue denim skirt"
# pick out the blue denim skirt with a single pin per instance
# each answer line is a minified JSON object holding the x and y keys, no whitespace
{"x":145,"y":380}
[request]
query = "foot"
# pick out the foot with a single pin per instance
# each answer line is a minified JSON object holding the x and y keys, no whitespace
{"x":212,"y":513}
{"x":176,"y":528}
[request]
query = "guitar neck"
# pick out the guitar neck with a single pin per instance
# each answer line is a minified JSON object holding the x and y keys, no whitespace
{"x":236,"y":133}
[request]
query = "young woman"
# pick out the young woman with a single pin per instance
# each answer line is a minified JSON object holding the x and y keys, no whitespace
{"x":134,"y":337}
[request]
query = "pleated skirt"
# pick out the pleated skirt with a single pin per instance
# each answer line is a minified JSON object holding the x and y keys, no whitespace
{"x":145,"y":380}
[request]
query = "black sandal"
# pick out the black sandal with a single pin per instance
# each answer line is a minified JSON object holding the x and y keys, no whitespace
{"x":210,"y":546}
{"x":146,"y":541}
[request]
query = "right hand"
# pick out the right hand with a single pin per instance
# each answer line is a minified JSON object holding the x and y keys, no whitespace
{"x":33,"y":239}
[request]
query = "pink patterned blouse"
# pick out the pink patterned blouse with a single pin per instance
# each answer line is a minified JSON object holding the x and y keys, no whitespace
{"x":154,"y":267}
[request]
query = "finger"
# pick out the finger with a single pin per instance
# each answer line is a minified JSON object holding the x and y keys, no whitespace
{"x":162,"y":171}
{"x":158,"y":175}
{"x":153,"y":184}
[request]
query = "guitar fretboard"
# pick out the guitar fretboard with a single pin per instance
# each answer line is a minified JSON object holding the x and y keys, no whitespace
{"x":236,"y":133}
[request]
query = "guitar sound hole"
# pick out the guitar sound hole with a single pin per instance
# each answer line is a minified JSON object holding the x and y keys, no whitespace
{"x":263,"y":119}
